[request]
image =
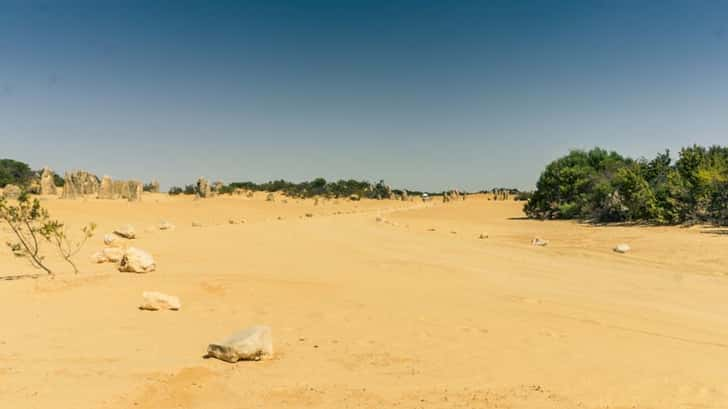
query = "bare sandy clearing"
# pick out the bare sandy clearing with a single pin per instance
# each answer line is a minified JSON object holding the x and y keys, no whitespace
{"x":371,"y":314}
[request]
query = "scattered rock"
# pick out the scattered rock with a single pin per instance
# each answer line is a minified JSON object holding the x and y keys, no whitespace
{"x":165,"y":225}
{"x":622,"y":248}
{"x":11,"y":192}
{"x":232,"y":221}
{"x":539,"y":242}
{"x":113,"y":254}
{"x":154,"y":301}
{"x":136,"y":261}
{"x":99,"y":257}
{"x":483,"y":236}
{"x":109,"y":239}
{"x":270,"y":197}
{"x":353,"y":197}
{"x":251,"y":344}
{"x":197,"y":224}
{"x":379,"y":219}
{"x":126,"y":232}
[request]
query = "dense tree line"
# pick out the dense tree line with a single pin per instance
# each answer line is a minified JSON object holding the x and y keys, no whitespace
{"x":607,"y":187}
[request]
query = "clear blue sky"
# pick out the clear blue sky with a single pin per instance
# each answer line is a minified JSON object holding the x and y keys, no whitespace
{"x":426,"y":95}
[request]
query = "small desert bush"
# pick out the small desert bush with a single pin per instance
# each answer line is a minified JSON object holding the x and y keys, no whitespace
{"x":32,"y":226}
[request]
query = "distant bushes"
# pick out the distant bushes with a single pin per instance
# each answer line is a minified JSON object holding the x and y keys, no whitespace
{"x":607,"y":187}
{"x":14,"y":172}
{"x":316,"y":187}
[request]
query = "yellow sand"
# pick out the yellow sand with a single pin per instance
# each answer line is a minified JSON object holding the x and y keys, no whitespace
{"x":371,"y":314}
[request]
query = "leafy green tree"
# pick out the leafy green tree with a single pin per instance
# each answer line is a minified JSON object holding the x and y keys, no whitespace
{"x":14,"y":172}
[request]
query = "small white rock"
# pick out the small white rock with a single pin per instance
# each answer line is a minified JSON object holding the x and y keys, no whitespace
{"x":109,"y":239}
{"x":154,"y":301}
{"x":165,"y":225}
{"x":99,"y":257}
{"x":622,"y":248}
{"x":126,"y":232}
{"x":539,"y":242}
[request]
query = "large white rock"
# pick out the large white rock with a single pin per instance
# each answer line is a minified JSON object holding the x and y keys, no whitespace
{"x":136,"y":261}
{"x":622,"y":248}
{"x":154,"y":301}
{"x":251,"y":344}
{"x":126,"y":232}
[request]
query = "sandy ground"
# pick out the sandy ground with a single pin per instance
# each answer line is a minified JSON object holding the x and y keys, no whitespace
{"x":411,"y":311}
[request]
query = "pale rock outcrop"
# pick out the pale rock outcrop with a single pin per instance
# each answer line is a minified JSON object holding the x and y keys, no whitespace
{"x":251,"y":344}
{"x":622,"y":248}
{"x":270,"y":197}
{"x":154,"y":301}
{"x":79,"y":183}
{"x":126,"y":232}
{"x":47,"y":184}
{"x":11,"y":192}
{"x":135,"y":190}
{"x":106,"y":189}
{"x":120,"y":189}
{"x":203,"y":188}
{"x":217,"y":186}
{"x":154,"y":186}
{"x":136,"y":261}
{"x":539,"y":242}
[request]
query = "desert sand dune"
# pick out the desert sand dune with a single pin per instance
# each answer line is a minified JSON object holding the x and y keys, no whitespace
{"x":412,"y":311}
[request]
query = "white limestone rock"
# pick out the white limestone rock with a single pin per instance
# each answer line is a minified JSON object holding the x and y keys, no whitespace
{"x":126,"y":232}
{"x":251,"y":344}
{"x":154,"y":301}
{"x":622,"y":248}
{"x":539,"y":242}
{"x":113,"y":254}
{"x":136,"y":261}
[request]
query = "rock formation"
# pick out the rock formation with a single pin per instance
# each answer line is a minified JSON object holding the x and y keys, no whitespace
{"x":47,"y":184}
{"x":79,"y":183}
{"x":203,"y":188}
{"x":11,"y":192}
{"x":106,"y":190}
{"x":154,"y":186}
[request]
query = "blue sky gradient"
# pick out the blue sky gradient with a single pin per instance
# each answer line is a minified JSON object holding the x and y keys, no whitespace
{"x":425,"y":95}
